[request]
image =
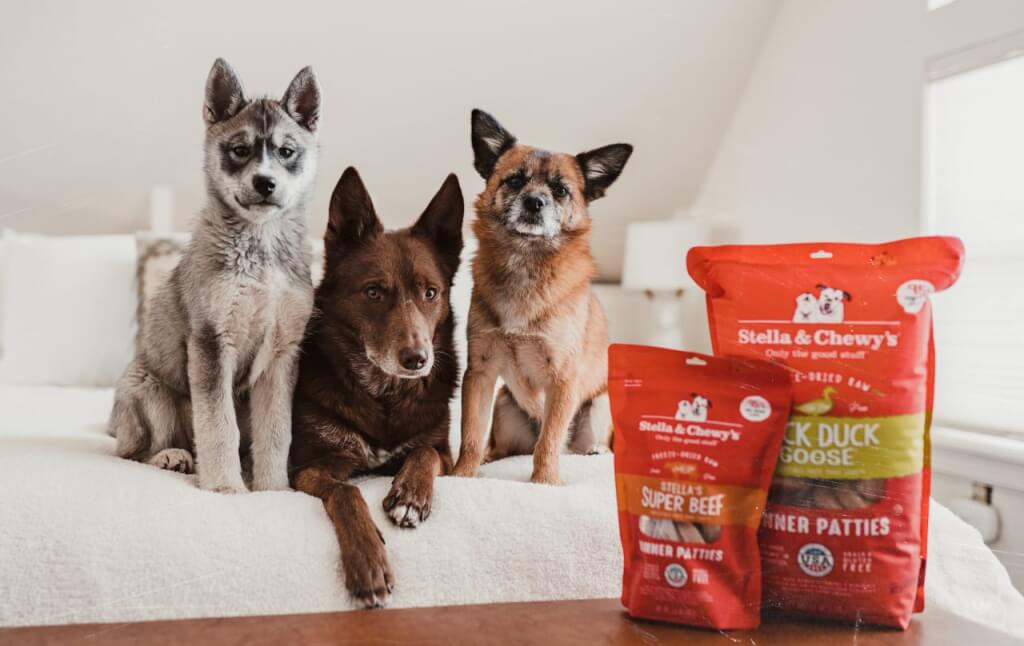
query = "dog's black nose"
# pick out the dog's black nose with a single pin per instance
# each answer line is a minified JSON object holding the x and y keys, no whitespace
{"x":265,"y":185}
{"x":412,"y":358}
{"x":534,"y":203}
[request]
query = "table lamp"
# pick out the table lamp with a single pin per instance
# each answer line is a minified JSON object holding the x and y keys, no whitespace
{"x":655,"y":262}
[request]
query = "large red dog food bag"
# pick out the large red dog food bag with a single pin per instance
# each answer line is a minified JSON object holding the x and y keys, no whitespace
{"x":845,"y":533}
{"x":696,"y":440}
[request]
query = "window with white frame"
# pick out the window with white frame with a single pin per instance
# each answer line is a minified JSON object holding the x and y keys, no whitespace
{"x":974,"y":179}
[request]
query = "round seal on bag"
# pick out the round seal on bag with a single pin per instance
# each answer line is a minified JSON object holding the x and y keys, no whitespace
{"x":675,"y":575}
{"x":815,"y":560}
{"x":755,"y":408}
{"x":913,"y":294}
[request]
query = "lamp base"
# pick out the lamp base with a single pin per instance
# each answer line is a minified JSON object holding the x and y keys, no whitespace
{"x":666,"y":321}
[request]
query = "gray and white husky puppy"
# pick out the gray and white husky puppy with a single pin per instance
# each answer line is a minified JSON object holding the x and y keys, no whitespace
{"x":215,"y":365}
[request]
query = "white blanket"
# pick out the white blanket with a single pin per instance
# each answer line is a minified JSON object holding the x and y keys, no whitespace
{"x":86,"y":537}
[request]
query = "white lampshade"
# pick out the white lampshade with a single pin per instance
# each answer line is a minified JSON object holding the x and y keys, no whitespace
{"x":656,"y":253}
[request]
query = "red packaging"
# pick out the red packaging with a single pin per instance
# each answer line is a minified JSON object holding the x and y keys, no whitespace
{"x":696,"y":440}
{"x":845,"y":533}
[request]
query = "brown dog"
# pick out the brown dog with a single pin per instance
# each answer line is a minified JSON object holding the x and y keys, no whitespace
{"x":533,"y":320}
{"x":377,"y":372}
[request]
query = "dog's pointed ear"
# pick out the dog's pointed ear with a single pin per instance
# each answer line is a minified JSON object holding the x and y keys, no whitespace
{"x":601,"y":167}
{"x":224,"y":95}
{"x":302,"y":99}
{"x":441,"y":222}
{"x":490,"y":141}
{"x":847,"y":296}
{"x":351,"y":219}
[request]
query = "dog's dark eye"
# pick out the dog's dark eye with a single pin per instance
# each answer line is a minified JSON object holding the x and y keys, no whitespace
{"x":431,"y":293}
{"x":240,"y":151}
{"x":559,"y":191}
{"x":373,"y":292}
{"x":515,"y":182}
{"x":285,"y":152}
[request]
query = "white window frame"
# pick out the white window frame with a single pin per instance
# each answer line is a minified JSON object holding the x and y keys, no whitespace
{"x":965,"y":451}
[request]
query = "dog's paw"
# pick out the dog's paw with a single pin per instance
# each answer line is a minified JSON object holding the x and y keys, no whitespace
{"x":178,"y":460}
{"x":408,"y":505}
{"x":229,"y":488}
{"x":464,"y":470}
{"x":223,"y":485}
{"x":408,"y":516}
{"x":271,"y":483}
{"x":545,"y":477}
{"x":368,"y":575}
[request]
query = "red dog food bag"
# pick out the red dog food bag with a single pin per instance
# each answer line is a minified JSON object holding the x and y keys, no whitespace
{"x":696,"y":440}
{"x":845,"y":533}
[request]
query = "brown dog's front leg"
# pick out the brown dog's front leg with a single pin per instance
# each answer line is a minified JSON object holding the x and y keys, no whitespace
{"x":560,"y":406}
{"x":364,"y":558}
{"x":412,"y":491}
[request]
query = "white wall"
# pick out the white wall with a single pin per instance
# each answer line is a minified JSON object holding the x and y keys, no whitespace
{"x":102,"y":99}
{"x":826,"y":140}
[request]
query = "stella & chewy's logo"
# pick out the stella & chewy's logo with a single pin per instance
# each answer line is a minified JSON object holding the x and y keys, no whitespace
{"x":690,"y":421}
{"x":675,"y":575}
{"x":819,"y":321}
{"x":815,"y":560}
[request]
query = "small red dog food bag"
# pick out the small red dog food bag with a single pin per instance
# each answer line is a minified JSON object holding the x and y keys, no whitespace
{"x":696,"y":440}
{"x":845,"y":533}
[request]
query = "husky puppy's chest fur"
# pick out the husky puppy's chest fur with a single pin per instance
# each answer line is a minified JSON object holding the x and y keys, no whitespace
{"x":258,"y":297}
{"x":250,"y":288}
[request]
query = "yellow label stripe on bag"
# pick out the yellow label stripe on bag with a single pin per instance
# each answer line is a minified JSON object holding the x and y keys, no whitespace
{"x":695,"y":502}
{"x":852,"y":448}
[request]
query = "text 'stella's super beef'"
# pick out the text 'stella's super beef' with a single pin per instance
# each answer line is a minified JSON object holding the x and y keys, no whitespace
{"x":845,"y":533}
{"x":696,"y":439}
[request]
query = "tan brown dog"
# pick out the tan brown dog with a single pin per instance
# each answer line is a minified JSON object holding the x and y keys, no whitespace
{"x":533,"y":320}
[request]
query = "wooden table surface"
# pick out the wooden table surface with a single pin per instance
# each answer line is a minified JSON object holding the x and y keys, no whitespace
{"x":598,"y":621}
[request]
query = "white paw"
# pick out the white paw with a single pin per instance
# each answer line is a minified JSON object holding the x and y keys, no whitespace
{"x":228,"y":488}
{"x":405,"y":515}
{"x":271,"y":483}
{"x":222,"y":485}
{"x":178,"y":460}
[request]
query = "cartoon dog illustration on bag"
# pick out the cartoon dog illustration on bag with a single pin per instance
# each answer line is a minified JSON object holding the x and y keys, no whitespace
{"x":693,"y":410}
{"x":830,"y":304}
{"x":827,"y":307}
{"x":806,"y":308}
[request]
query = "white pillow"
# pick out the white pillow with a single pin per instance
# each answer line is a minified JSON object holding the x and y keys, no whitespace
{"x":157,"y":254}
{"x":69,"y":309}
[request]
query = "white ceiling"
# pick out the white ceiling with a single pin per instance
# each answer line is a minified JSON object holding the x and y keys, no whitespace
{"x":103,"y":99}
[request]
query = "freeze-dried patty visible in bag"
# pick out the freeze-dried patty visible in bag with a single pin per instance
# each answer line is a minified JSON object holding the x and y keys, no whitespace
{"x":845,"y":533}
{"x":695,"y":445}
